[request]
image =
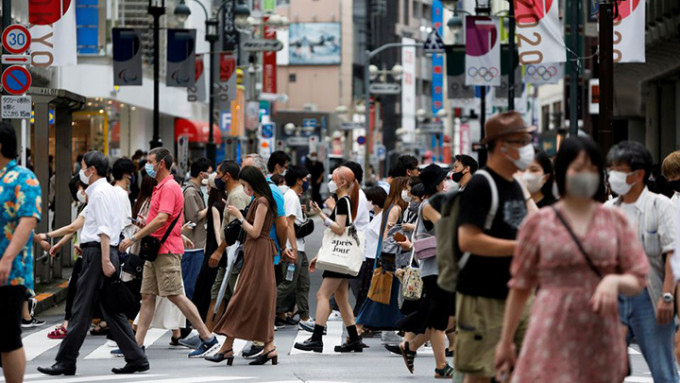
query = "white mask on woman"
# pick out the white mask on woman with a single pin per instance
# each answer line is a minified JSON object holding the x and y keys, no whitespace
{"x":405,"y":196}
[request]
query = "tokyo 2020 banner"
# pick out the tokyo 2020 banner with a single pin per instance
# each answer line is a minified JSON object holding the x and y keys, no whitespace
{"x":539,"y":32}
{"x":482,"y":51}
{"x":629,"y":32}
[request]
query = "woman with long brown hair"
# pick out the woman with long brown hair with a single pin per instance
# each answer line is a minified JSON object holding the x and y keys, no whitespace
{"x":346,"y":188}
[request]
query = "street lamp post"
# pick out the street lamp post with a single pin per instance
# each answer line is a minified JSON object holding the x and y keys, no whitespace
{"x":156,"y":9}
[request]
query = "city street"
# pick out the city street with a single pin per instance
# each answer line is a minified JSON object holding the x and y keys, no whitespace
{"x":170,"y":365}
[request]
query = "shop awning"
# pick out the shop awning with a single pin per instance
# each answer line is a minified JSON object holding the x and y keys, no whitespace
{"x":196,"y":130}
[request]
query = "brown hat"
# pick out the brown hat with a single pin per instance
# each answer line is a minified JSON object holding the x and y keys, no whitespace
{"x":503,"y":124}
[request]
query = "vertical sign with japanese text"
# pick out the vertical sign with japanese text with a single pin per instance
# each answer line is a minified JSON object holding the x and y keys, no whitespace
{"x":269,"y":64}
{"x":408,"y":89}
{"x":230,"y":35}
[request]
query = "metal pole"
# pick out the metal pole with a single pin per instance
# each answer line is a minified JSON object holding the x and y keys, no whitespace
{"x":481,"y":154}
{"x":511,"y":59}
{"x":573,"y":79}
{"x":157,"y":12}
{"x":6,"y":22}
{"x":606,"y":21}
{"x":367,"y":115}
{"x":211,"y":148}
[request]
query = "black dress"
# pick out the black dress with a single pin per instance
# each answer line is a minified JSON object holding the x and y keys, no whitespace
{"x":342,"y":207}
{"x":207,"y":276}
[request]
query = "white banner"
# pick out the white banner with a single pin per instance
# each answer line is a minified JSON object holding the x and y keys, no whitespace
{"x":629,"y":32}
{"x":482,"y":51}
{"x":540,"y":37}
{"x":53,"y":33}
{"x":408,"y":90}
{"x":545,"y":73}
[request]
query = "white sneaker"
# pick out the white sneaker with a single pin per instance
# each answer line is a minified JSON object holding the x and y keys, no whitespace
{"x":335,"y":316}
{"x":390,"y":337}
{"x":111,"y":343}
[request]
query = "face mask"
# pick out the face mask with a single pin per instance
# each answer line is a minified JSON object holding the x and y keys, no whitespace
{"x":313,"y":159}
{"x":305,"y":186}
{"x":81,"y":196}
{"x":405,"y":196}
{"x":456,"y":177}
{"x":149,"y":170}
{"x":204,"y":182}
{"x":220,"y":184}
{"x":675,"y":185}
{"x":332,"y":187}
{"x":83,"y":178}
{"x":533,"y":181}
{"x":583,"y":185}
{"x":526,"y":157}
{"x":617,"y":181}
{"x":413,"y":206}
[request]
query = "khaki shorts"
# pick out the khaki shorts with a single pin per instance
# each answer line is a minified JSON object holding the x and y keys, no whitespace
{"x":479,"y":324}
{"x":163,"y":277}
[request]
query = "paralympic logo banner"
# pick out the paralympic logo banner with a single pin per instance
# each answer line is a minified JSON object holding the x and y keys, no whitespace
{"x":482,"y":51}
{"x":127,"y":57}
{"x":629,"y":32}
{"x":539,"y":32}
{"x":181,"y":68}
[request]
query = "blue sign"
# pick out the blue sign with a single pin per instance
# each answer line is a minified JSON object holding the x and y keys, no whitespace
{"x":225,"y":121}
{"x":267,"y":130}
{"x":361,"y":140}
{"x":309,"y":123}
{"x":437,"y":64}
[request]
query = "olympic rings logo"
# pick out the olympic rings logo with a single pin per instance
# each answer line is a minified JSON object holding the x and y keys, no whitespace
{"x":541,"y":72}
{"x":485,"y":73}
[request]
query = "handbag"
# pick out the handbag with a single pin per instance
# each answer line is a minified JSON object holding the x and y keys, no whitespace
{"x":150,"y":246}
{"x":342,"y":253}
{"x":412,"y":283}
{"x":134,"y":265}
{"x":117,"y":298}
{"x":233,"y":232}
{"x":304,"y":229}
{"x":381,"y":286}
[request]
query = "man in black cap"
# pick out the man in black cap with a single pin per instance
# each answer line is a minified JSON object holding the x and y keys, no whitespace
{"x":492,"y":208}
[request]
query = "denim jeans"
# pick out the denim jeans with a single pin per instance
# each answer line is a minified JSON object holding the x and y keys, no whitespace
{"x":655,"y":340}
{"x":191,"y":267}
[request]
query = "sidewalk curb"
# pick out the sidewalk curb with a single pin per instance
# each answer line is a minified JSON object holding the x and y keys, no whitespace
{"x":51,"y":298}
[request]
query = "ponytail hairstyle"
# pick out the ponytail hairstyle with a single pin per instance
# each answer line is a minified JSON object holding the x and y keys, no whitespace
{"x":345,"y":173}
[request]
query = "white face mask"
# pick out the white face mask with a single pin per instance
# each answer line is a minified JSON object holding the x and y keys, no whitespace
{"x":332,"y":187}
{"x":617,"y":181}
{"x":313,"y":158}
{"x":83,"y":178}
{"x":82,"y":197}
{"x":405,"y":196}
{"x":526,"y":157}
{"x":533,"y":181}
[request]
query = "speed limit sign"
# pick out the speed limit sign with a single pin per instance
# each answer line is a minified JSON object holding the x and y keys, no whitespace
{"x":16,"y":39}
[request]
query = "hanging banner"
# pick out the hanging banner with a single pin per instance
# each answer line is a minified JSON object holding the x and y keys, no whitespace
{"x":408,"y":90}
{"x":437,"y":60}
{"x":53,"y":32}
{"x":629,"y":32}
{"x":482,"y":51}
{"x":197,"y":92}
{"x":127,"y":57}
{"x":462,"y":95}
{"x":225,"y":91}
{"x":269,"y":63}
{"x":540,"y":37}
{"x":181,"y":67}
{"x":546,"y":73}
{"x":230,"y":35}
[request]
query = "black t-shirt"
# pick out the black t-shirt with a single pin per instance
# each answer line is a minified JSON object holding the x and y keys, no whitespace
{"x":546,"y":201}
{"x":342,"y":207}
{"x":315,"y":169}
{"x":488,"y":276}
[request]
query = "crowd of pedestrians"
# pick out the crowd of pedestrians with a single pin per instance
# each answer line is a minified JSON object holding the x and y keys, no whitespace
{"x":529,"y":269}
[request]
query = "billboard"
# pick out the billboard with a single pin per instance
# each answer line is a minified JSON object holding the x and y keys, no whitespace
{"x":314,"y":44}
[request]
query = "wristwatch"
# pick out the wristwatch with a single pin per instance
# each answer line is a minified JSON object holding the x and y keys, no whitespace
{"x":668,"y":297}
{"x":241,"y":221}
{"x":133,"y":239}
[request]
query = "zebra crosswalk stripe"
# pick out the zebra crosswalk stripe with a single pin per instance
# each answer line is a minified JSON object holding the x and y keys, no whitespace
{"x":38,"y":343}
{"x":104,"y":351}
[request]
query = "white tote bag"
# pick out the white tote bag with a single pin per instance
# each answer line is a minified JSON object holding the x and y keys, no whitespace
{"x":342,"y":253}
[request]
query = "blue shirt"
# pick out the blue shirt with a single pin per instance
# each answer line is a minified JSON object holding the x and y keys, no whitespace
{"x":20,"y":196}
{"x":280,"y":212}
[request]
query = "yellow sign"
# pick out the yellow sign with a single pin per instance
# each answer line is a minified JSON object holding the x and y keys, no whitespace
{"x":238,"y":109}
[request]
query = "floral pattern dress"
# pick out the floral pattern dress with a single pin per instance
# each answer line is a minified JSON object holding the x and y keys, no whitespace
{"x":20,"y":196}
{"x":566,"y":341}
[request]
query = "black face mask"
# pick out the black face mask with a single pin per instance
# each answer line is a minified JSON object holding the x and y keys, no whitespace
{"x":456,"y":177}
{"x":675,"y":185}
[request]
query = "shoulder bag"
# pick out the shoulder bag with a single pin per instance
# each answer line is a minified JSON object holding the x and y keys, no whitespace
{"x":412,"y":283}
{"x":342,"y":253}
{"x":380,"y":290}
{"x":304,"y":229}
{"x":150,"y":246}
{"x":424,"y":245}
{"x":233,"y":232}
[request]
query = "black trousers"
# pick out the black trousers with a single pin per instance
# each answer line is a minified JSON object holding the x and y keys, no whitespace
{"x":89,"y":285}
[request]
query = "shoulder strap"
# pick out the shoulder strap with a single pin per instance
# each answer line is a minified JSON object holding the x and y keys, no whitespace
{"x":349,"y":210}
{"x":385,"y":217}
{"x":171,"y":227}
{"x":494,"y":199}
{"x":578,"y":243}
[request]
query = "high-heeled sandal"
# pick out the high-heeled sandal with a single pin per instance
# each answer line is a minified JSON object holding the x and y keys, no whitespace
{"x":443,"y":373}
{"x":409,"y":356}
{"x":264,"y":358}
{"x":219,"y":357}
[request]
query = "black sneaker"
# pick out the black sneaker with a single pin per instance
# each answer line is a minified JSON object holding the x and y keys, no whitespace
{"x":33,"y":322}
{"x":449,"y":353}
{"x":253,"y":352}
{"x":353,"y":346}
{"x":310,"y":345}
{"x":280,"y":323}
{"x":393,"y":348}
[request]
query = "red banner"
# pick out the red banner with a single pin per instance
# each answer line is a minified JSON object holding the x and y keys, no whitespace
{"x":269,"y":61}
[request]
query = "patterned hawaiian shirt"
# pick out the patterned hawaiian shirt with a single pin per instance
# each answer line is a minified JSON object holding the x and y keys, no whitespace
{"x":20,"y":196}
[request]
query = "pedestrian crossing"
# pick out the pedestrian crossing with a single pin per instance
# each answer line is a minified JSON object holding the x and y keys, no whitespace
{"x":141,"y":378}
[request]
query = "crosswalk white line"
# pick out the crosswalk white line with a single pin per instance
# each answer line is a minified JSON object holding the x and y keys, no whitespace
{"x":104,"y":351}
{"x":26,"y":376}
{"x":332,"y":339}
{"x":95,"y":378}
{"x":632,"y":351}
{"x":636,"y":379}
{"x":38,"y":343}
{"x":196,"y":379}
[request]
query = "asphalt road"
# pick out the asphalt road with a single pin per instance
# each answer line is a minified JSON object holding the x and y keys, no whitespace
{"x":171,"y":365}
